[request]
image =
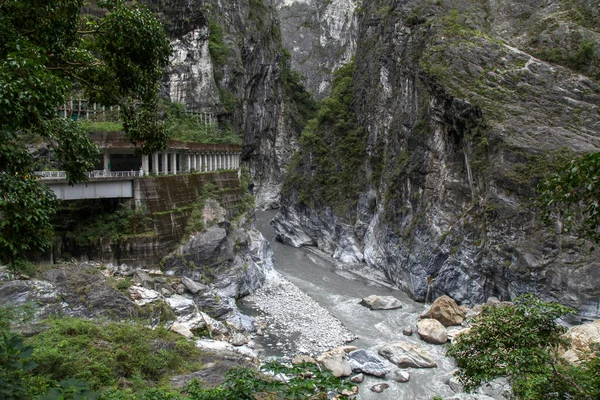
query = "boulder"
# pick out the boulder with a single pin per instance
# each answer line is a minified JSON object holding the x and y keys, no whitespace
{"x":405,"y":355}
{"x":581,"y":336}
{"x":181,"y":329}
{"x":192,"y":286}
{"x":407,"y":331}
{"x":335,"y":361}
{"x":375,"y":302}
{"x":432,"y":331}
{"x":238,"y":339}
{"x":368,"y":362}
{"x":142,"y":296}
{"x":445,"y":310}
{"x":380,"y":387}
{"x":357,"y":378}
{"x":454,"y":333}
{"x":399,"y":375}
{"x":143,"y":279}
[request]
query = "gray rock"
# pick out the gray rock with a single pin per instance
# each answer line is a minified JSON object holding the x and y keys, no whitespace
{"x":407,"y":331}
{"x":192,"y":286}
{"x":375,"y":302}
{"x":380,"y":387}
{"x":357,"y":378}
{"x":335,"y":361}
{"x":405,"y":355}
{"x":238,"y":339}
{"x":398,"y":375}
{"x":143,"y":279}
{"x":368,"y":362}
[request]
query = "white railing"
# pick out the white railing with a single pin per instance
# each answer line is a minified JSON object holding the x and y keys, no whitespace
{"x":97,"y":174}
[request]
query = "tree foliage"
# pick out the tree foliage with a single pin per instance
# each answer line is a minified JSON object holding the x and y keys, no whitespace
{"x":48,"y":51}
{"x":572,"y":196}
{"x":522,"y":342}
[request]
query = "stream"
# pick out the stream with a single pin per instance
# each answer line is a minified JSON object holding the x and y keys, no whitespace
{"x":339,"y":288}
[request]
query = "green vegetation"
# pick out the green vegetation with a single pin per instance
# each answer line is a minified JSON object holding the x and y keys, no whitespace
{"x":217,"y":48}
{"x":102,"y":126}
{"x":73,"y":358}
{"x":522,"y":342}
{"x":180,"y":125}
{"x":47,"y":51}
{"x":571,"y":195}
{"x":84,"y":223}
{"x":335,"y":145}
{"x":293,"y":84}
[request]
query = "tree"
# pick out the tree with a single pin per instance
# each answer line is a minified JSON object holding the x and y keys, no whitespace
{"x":48,"y":50}
{"x":572,"y":196}
{"x":521,"y":342}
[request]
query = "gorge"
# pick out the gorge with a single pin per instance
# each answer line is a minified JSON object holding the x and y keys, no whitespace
{"x":389,"y":147}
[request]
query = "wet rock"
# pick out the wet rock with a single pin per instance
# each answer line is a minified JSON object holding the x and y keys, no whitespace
{"x":375,"y":302}
{"x":380,"y":387}
{"x":350,"y":392}
{"x":407,"y":331}
{"x":368,"y":362}
{"x":335,"y":360}
{"x":357,"y":378}
{"x":192,"y":286}
{"x":143,"y":279}
{"x":445,"y":310}
{"x":398,"y":375}
{"x":405,"y":355}
{"x":581,"y":336}
{"x":432,"y":331}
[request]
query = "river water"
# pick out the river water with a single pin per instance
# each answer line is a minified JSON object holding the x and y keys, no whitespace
{"x":339,"y":288}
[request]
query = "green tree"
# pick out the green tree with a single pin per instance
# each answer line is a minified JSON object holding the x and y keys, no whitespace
{"x":48,"y":51}
{"x":522,"y":342}
{"x":572,"y":196}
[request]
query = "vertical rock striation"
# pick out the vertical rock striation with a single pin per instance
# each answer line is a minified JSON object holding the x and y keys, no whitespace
{"x":464,"y":108}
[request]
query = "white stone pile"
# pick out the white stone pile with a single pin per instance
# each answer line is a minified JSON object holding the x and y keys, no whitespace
{"x":301,"y":325}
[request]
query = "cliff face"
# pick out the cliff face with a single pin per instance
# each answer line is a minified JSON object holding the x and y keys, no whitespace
{"x":321,"y":36}
{"x":228,"y":62}
{"x":458,"y":110}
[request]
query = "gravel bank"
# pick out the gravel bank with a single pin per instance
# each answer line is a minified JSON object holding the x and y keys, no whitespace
{"x":297,"y":323}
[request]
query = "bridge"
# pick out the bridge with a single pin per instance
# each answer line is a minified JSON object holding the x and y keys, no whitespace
{"x":120,"y":166}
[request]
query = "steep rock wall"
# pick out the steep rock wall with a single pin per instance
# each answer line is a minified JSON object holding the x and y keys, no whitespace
{"x":464,"y":106}
{"x":321,"y":36}
{"x":228,"y":62}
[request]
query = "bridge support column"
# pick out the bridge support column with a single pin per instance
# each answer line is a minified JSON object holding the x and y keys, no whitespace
{"x":165,"y":163}
{"x":188,"y":162}
{"x":155,"y":163}
{"x":173,"y":163}
{"x":106,"y":154}
{"x":145,"y":164}
{"x":198,"y":161}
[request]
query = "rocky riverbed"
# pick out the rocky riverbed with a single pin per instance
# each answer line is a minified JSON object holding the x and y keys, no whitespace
{"x":295,"y":324}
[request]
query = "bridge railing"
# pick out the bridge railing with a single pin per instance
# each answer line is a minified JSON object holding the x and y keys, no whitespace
{"x":97,"y":174}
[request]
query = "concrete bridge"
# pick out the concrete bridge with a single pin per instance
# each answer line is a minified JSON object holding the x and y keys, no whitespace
{"x":120,"y":166}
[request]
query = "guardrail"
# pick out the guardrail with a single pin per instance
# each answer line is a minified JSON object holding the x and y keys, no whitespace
{"x":97,"y":174}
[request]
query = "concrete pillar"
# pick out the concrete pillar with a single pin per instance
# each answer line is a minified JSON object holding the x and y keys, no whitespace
{"x":173,"y":163}
{"x":155,"y":168}
{"x":106,"y":158}
{"x":198,"y":161}
{"x":188,"y":164}
{"x":210,"y":161}
{"x":165,"y":163}
{"x":145,"y":164}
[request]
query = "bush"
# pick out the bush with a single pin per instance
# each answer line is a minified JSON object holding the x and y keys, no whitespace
{"x":521,"y":342}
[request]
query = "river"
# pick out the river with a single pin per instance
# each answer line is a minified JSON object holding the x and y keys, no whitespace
{"x":339,"y":288}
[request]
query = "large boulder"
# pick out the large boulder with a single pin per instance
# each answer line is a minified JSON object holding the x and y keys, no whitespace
{"x":432,"y":331}
{"x":445,"y":310}
{"x":335,"y":361}
{"x":191,"y":285}
{"x":405,"y":355}
{"x":368,"y":362}
{"x":582,"y":336}
{"x":375,"y":302}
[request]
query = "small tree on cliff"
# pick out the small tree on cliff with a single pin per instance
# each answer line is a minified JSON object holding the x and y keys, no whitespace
{"x":47,"y":48}
{"x":521,"y":342}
